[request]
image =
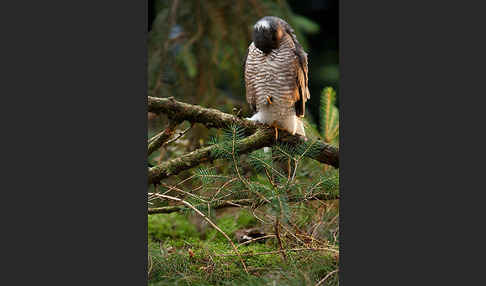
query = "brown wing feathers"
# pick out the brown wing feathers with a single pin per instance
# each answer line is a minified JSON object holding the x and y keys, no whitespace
{"x":302,"y":91}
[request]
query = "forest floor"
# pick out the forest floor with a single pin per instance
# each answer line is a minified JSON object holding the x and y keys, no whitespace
{"x":184,"y":250}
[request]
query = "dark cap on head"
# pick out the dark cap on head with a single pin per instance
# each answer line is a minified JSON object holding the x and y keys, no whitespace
{"x":267,"y":33}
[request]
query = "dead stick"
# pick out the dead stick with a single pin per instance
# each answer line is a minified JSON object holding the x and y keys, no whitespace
{"x":255,"y":239}
{"x":327,"y":276}
{"x":277,"y":233}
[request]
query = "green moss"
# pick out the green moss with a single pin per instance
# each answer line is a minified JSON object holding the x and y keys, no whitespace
{"x":227,"y":224}
{"x":174,"y":225}
{"x":206,"y":267}
{"x":246,"y":219}
{"x":204,"y":264}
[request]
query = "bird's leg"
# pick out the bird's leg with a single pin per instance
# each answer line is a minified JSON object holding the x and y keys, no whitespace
{"x":274,"y":125}
{"x":269,"y":99}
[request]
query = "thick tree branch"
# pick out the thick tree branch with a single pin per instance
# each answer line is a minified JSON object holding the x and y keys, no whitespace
{"x":260,"y":139}
{"x":208,"y":116}
{"x":263,"y":137}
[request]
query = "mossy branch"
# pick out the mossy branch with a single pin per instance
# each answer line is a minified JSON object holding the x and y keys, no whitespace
{"x":210,"y":117}
{"x":262,"y":137}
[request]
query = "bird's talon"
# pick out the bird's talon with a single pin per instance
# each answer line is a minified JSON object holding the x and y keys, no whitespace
{"x":269,"y":99}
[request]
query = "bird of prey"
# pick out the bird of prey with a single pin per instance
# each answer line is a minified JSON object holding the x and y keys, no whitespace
{"x":276,"y":76}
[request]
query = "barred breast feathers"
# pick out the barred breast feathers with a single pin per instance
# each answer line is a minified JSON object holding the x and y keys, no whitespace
{"x":274,"y":75}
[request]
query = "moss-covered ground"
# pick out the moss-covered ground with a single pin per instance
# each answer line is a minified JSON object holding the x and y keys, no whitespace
{"x":185,"y":251}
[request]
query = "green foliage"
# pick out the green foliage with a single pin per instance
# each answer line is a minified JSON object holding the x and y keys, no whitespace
{"x":227,"y":224}
{"x":207,"y":268}
{"x":260,"y":160}
{"x":305,"y":24}
{"x":284,"y":151}
{"x":170,"y":262}
{"x":279,"y":207}
{"x":259,"y":190}
{"x":329,"y":182}
{"x":174,"y":225}
{"x":329,"y":116}
{"x":208,"y":176}
{"x":225,"y":144}
{"x":233,"y":133}
{"x":245,"y":219}
{"x":189,"y":61}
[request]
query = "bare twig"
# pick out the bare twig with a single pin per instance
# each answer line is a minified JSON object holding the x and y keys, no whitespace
{"x":277,"y":233}
{"x":158,"y":140}
{"x":181,"y":191}
{"x":293,"y":235}
{"x":325,"y":277}
{"x":222,"y":187}
{"x":178,"y":136}
{"x":255,"y":239}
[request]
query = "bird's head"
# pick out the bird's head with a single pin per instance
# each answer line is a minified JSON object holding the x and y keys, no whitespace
{"x":268,"y":32}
